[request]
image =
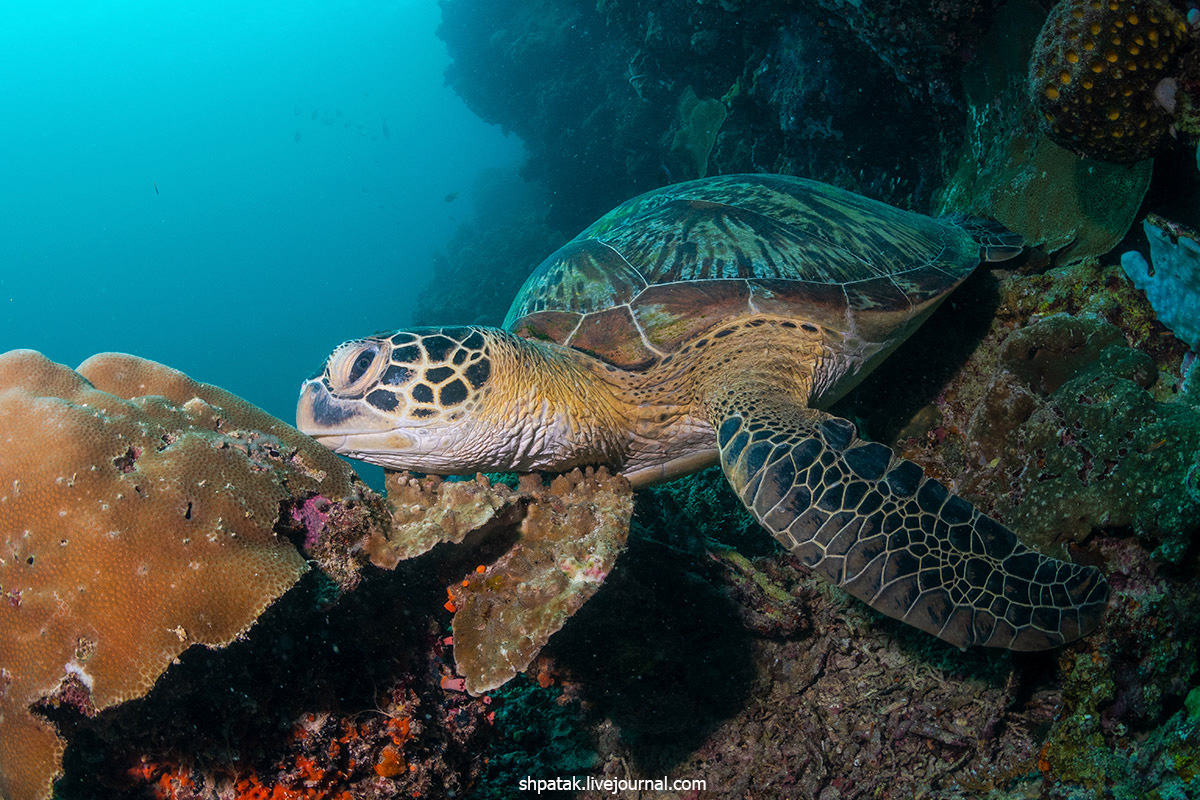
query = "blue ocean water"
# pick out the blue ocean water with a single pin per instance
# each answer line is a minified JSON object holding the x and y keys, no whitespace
{"x":229,"y":188}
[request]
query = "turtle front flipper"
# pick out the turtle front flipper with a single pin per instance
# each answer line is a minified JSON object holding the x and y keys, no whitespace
{"x":876,"y":526}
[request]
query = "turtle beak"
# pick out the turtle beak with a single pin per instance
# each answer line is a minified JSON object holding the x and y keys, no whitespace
{"x":346,"y":426}
{"x":319,"y":413}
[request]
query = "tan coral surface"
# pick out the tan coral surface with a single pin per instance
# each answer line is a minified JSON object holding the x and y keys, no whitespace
{"x":138,"y":513}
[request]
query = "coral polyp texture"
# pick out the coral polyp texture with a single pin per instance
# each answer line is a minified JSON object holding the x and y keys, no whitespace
{"x":572,"y":533}
{"x":141,"y":512}
{"x":567,"y":538}
{"x":1094,"y":72}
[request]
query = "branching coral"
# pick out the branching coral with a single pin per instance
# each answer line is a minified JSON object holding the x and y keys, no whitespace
{"x":140,"y":513}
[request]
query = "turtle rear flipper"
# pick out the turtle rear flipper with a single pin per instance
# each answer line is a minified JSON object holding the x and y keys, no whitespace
{"x":876,"y":526}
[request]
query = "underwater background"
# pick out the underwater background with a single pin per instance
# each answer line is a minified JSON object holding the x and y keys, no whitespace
{"x":228,"y":188}
{"x":234,"y":189}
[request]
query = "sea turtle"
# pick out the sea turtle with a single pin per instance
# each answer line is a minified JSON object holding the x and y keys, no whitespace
{"x":714,"y":320}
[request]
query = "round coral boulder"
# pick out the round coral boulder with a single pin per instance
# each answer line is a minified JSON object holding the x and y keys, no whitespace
{"x":1094,"y":72}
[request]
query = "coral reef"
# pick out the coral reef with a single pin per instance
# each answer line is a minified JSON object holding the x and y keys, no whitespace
{"x":567,"y":536}
{"x":539,"y":733}
{"x":1095,"y":70}
{"x":1173,"y":284}
{"x":1069,"y":395}
{"x":603,"y":124}
{"x":1124,"y":724}
{"x":701,"y":120}
{"x":141,"y":513}
{"x":429,"y":511}
{"x":323,"y":699}
{"x":692,"y":660}
{"x":1008,"y":170}
{"x":1055,"y":423}
{"x":571,"y":535}
{"x":1031,"y":413}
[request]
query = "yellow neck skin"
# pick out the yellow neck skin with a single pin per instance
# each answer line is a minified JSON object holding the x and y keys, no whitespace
{"x":558,"y":408}
{"x":551,"y":409}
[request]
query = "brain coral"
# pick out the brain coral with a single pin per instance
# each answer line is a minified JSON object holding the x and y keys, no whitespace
{"x":1093,"y":73}
{"x":139,"y":514}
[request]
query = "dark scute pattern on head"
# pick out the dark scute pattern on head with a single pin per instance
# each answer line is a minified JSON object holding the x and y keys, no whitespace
{"x":453,"y":393}
{"x":438,"y":374}
{"x":383,"y":400}
{"x":396,"y":375}
{"x":457,"y":334}
{"x":438,"y":347}
{"x":423,"y":412}
{"x":422,"y":393}
{"x":898,"y":540}
{"x":403,"y":337}
{"x":327,"y":411}
{"x":406,"y":355}
{"x":474,"y":341}
{"x":478,"y":373}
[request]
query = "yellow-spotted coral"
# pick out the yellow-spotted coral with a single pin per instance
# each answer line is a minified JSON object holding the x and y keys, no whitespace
{"x":1095,"y":75}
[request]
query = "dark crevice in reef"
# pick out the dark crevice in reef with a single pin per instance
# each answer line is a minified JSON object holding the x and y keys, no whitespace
{"x":619,"y":97}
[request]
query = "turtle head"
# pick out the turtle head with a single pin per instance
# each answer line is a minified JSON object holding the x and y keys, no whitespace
{"x":413,"y":399}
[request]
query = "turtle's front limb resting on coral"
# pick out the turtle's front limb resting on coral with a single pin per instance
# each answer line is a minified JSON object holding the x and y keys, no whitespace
{"x":876,"y":526}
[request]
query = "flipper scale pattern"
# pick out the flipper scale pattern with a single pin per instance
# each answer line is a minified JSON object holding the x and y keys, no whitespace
{"x":877,"y":526}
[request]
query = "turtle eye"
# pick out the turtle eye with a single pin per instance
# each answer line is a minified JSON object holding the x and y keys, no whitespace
{"x":355,"y":366}
{"x":361,"y":365}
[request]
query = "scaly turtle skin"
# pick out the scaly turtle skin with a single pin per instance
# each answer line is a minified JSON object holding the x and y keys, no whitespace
{"x":715,"y":320}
